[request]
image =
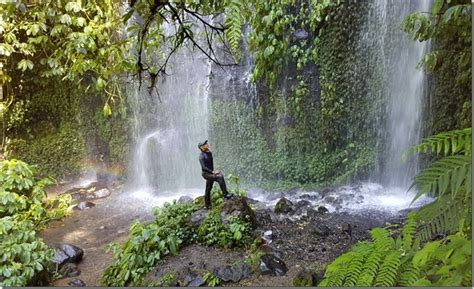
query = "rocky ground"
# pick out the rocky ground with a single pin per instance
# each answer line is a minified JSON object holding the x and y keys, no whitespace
{"x":295,"y":237}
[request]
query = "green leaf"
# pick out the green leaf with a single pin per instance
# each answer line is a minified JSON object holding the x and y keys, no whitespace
{"x":25,"y":64}
{"x":268,"y":51}
{"x":437,"y":5}
{"x":107,"y":110}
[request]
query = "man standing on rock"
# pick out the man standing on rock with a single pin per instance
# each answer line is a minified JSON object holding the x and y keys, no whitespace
{"x":209,"y":174}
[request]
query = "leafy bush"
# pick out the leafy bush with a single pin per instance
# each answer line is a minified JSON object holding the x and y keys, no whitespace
{"x":25,"y":258}
{"x":213,"y":232}
{"x":211,"y":280}
{"x":148,"y":244}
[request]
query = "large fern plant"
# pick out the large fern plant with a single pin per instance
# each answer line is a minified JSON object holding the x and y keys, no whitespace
{"x":386,"y":261}
{"x":448,"y":180}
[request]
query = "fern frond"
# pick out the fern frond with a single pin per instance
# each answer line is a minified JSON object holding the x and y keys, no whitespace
{"x":408,"y":231}
{"x":233,"y":24}
{"x":370,"y":269}
{"x":409,"y":274}
{"x":345,"y":266}
{"x":381,"y":238}
{"x":387,"y":275}
{"x":361,"y":251}
{"x":451,"y":142}
{"x":442,"y":216}
{"x":443,"y":175}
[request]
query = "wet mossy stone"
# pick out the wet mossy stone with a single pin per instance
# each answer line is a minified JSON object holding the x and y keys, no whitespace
{"x":283,"y":206}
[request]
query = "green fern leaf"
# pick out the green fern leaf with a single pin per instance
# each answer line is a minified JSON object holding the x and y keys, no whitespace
{"x":387,"y":275}
{"x":443,"y":174}
{"x":455,"y":141}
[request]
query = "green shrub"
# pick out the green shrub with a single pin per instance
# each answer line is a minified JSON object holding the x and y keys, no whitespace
{"x":148,"y":244}
{"x":23,"y":210}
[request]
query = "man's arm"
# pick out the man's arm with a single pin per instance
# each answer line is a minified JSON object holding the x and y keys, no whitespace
{"x":203,"y":166}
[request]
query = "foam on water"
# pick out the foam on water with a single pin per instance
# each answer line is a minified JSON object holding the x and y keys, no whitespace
{"x":351,"y":199}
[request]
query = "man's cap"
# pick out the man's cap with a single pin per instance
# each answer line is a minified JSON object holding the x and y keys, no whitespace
{"x":201,"y":144}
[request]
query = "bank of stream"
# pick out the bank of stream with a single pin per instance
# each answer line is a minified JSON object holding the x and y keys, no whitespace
{"x":308,"y":230}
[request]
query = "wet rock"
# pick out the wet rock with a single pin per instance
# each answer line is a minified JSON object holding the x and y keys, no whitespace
{"x":87,"y":187}
{"x":304,"y":278}
{"x":299,"y":34}
{"x":330,"y":199}
{"x":76,"y":283}
{"x":233,"y":273}
{"x":69,"y":270}
{"x":321,"y":230}
{"x":292,"y":192}
{"x":268,"y":236}
{"x":326,"y":191}
{"x":185,"y":199}
{"x":84,"y":206}
{"x":237,"y":207}
{"x":67,"y":253}
{"x":303,"y":203}
{"x":309,"y":197}
{"x":321,"y":209}
{"x":198,"y":217}
{"x":99,"y":194}
{"x":272,"y":265}
{"x":263,"y":216}
{"x":192,"y":280}
{"x":283,"y":206}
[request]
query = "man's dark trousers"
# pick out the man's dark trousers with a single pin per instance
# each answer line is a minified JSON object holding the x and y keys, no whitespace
{"x":210,"y":179}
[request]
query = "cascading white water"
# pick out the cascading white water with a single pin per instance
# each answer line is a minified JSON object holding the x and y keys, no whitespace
{"x":404,"y":86}
{"x":168,"y":125}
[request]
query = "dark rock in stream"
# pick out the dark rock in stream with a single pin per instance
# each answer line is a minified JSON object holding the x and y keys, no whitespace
{"x":69,"y":270}
{"x":84,"y":206}
{"x":283,"y":206}
{"x":322,"y":209}
{"x":76,"y":283}
{"x":272,"y":265}
{"x":67,"y":253}
{"x":309,"y":197}
{"x":233,"y":273}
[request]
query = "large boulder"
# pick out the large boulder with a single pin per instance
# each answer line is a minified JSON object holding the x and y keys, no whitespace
{"x":284,"y":206}
{"x":67,"y":253}
{"x":233,"y":273}
{"x":269,"y":264}
{"x":197,"y":218}
{"x":237,"y":207}
{"x":185,"y":200}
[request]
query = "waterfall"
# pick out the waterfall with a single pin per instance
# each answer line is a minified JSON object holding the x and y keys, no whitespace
{"x":169,"y":123}
{"x":403,"y":87}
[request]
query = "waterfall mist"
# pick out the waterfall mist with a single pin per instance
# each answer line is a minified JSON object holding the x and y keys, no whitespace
{"x":169,"y":123}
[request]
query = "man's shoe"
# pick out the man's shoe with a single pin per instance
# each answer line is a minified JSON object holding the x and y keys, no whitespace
{"x":208,"y":207}
{"x":228,"y":196}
